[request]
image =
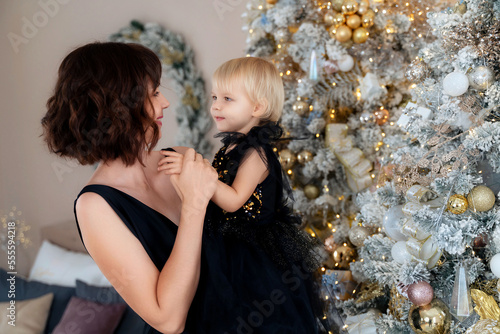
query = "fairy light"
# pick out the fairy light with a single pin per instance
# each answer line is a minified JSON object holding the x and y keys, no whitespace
{"x":338,"y":216}
{"x":289,"y":172}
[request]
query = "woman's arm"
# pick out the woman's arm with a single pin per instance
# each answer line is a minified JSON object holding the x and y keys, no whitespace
{"x":163,"y":298}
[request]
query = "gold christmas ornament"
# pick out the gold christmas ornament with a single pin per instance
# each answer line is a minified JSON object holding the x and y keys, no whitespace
{"x":300,"y":107}
{"x":350,"y":7}
{"x":457,"y":204}
{"x":360,"y":35}
{"x":343,"y":256}
{"x":381,"y":116}
{"x":343,"y":34}
{"x":338,"y":19}
{"x":287,"y":158}
{"x":434,"y":318}
{"x":353,"y":21}
{"x":304,"y":156}
{"x":271,"y":2}
{"x":348,"y":44}
{"x":337,"y":5}
{"x":328,"y":18}
{"x":332,"y":31}
{"x":358,"y":235}
{"x":369,"y":13}
{"x":460,"y":8}
{"x":363,"y":7}
{"x":311,"y":191}
{"x":367,"y":21}
{"x":481,"y":199}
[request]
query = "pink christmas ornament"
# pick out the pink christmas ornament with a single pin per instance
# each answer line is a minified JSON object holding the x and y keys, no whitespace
{"x":420,"y":293}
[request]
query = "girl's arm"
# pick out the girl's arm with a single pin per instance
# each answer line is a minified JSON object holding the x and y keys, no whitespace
{"x":251,"y":172}
{"x":163,"y":298}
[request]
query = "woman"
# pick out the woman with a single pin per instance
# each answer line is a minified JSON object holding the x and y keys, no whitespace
{"x":142,"y":228}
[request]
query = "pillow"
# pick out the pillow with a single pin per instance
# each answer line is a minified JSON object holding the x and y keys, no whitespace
{"x":56,"y":265}
{"x":28,"y":290}
{"x":28,"y":316}
{"x":131,"y":323}
{"x":85,"y":316}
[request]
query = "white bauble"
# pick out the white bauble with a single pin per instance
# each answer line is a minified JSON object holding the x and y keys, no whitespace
{"x":391,"y":223}
{"x":345,"y":63}
{"x":495,"y":265}
{"x":399,"y":252}
{"x":455,"y":83}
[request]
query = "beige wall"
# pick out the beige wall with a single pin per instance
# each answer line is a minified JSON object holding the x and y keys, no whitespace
{"x":28,"y":179}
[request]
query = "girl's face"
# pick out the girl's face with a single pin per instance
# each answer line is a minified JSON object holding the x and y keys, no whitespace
{"x":158,"y":103}
{"x":232,"y":110}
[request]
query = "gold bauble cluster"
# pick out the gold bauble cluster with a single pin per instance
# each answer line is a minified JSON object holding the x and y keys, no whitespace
{"x":480,"y":199}
{"x":288,"y":158}
{"x":348,"y":20}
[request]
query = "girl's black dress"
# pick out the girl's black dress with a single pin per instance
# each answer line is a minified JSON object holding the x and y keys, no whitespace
{"x":260,"y":266}
{"x":257,"y":266}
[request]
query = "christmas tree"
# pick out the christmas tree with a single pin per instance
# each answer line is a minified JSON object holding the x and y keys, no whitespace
{"x":343,"y":64}
{"x":439,"y":250}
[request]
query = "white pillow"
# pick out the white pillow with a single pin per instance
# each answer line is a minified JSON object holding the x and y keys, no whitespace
{"x":56,"y":265}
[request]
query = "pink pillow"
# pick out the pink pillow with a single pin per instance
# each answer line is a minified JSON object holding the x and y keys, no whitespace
{"x":85,"y":316}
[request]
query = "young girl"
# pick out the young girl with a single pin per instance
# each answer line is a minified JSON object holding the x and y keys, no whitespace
{"x":259,"y":265}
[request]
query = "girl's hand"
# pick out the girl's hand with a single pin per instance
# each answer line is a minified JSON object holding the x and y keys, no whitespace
{"x":197,"y":180}
{"x":172,"y":163}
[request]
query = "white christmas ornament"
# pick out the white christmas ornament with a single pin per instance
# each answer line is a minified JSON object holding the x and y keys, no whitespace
{"x":495,"y":265}
{"x":455,"y":84}
{"x":399,"y":252}
{"x":346,"y":63}
{"x":391,"y":223}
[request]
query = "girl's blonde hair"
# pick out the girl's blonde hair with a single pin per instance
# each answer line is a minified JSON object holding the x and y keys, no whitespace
{"x":261,"y":80}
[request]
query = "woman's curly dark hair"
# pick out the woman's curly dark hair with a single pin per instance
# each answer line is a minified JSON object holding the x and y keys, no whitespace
{"x":98,"y":111}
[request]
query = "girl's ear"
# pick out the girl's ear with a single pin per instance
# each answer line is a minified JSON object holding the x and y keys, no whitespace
{"x":260,"y":108}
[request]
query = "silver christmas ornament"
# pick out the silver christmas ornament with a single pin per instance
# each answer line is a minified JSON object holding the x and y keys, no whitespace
{"x":416,"y":71}
{"x":366,"y":117}
{"x":481,"y":77}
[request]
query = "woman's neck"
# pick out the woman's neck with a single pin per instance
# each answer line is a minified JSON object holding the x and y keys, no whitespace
{"x":115,"y":173}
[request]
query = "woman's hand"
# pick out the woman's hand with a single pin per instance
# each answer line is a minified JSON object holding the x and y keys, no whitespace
{"x":172,"y":163}
{"x":197,"y":180}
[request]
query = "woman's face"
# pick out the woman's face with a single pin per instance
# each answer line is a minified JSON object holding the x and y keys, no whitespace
{"x":158,"y":103}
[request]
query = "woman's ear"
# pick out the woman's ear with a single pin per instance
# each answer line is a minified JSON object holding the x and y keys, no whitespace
{"x":260,"y":108}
